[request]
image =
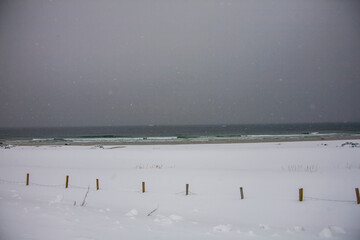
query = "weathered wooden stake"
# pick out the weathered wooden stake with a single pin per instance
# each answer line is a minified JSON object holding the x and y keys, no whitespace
{"x":67,"y":182}
{"x":357,"y":195}
{"x":143,"y":187}
{"x":241,"y":193}
{"x":187,"y":189}
{"x":27,"y":179}
{"x":97,"y":184}
{"x":301,"y":194}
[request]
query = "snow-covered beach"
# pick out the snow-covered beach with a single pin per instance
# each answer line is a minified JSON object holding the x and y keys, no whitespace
{"x":269,"y":173}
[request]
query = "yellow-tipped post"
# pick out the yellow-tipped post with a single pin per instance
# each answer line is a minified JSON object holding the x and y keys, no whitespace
{"x":357,"y":195}
{"x":301,"y":194}
{"x":97,"y":184}
{"x":187,"y":189}
{"x":67,"y":182}
{"x":143,"y":187}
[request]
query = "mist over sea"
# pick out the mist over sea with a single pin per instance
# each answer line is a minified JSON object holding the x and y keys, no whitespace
{"x":173,"y":134}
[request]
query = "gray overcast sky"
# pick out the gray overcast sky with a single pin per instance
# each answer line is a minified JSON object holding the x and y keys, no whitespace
{"x":84,"y":62}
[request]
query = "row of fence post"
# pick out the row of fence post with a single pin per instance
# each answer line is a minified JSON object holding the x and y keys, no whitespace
{"x":301,"y":195}
{"x":301,"y":190}
{"x":66,"y":181}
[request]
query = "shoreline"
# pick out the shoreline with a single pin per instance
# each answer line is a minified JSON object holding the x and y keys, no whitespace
{"x":180,"y":142}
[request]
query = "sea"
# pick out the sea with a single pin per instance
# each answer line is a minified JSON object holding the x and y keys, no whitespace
{"x":150,"y":134}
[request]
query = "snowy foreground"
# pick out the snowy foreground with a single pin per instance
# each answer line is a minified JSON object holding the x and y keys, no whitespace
{"x":270,"y":174}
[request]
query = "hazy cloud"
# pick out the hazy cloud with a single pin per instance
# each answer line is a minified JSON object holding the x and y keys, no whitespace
{"x":71,"y":63}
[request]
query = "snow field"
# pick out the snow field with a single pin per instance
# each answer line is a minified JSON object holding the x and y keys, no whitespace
{"x":213,"y":210}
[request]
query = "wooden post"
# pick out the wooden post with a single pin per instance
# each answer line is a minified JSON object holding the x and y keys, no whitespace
{"x":143,"y":187}
{"x":67,"y":182}
{"x":301,"y":194}
{"x":97,"y":184}
{"x":27,"y":179}
{"x":187,"y":189}
{"x":357,"y":195}
{"x":241,"y":193}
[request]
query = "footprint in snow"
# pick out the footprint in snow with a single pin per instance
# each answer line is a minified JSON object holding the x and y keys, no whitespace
{"x":16,"y":196}
{"x":298,"y":229}
{"x":222,"y":228}
{"x":58,"y":199}
{"x":251,"y":234}
{"x":132,"y":213}
{"x":264,"y":227}
{"x":163,"y":220}
{"x":329,"y":231}
{"x":325,"y":233}
{"x":176,"y":218}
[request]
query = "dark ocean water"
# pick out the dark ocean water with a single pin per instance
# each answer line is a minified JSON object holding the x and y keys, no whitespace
{"x":199,"y":133}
